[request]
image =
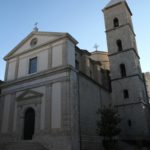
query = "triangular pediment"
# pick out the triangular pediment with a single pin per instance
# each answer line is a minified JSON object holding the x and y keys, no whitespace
{"x":41,"y":39}
{"x":28,"y":95}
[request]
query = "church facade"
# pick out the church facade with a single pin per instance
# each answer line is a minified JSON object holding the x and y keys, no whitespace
{"x":53,"y":89}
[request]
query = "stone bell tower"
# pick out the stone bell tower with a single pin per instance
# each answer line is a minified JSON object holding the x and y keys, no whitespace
{"x":128,"y":89}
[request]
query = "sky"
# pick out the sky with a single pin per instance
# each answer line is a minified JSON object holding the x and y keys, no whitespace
{"x":83,"y":19}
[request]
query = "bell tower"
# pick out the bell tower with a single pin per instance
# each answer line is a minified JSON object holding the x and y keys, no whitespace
{"x":128,"y":88}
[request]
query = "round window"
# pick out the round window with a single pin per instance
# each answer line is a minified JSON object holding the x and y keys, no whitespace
{"x":33,"y":42}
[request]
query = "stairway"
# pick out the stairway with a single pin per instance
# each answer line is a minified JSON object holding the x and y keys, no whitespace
{"x":90,"y":142}
{"x":23,"y":145}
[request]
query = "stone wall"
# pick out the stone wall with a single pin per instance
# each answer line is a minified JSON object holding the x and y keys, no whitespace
{"x":95,"y":65}
{"x":147,"y":82}
{"x":92,"y":97}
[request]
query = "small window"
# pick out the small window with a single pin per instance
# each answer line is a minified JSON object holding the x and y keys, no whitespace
{"x":123,"y":70}
{"x":33,"y":65}
{"x":116,"y":22}
{"x":119,"y":45}
{"x":90,"y":73}
{"x":129,"y":123}
{"x":125,"y":94}
{"x":77,"y":65}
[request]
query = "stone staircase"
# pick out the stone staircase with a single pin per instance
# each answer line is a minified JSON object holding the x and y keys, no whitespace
{"x":90,"y":141}
{"x":23,"y":145}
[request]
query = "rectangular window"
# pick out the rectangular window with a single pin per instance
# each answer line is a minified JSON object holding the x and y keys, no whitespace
{"x":33,"y":65}
{"x":125,"y":93}
{"x":77,"y":65}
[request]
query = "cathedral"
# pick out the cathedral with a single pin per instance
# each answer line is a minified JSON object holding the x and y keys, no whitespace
{"x":53,"y":89}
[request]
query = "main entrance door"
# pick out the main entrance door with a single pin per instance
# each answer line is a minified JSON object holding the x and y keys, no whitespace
{"x":29,"y":124}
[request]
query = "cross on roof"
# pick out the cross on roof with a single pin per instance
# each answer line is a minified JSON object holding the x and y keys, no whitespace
{"x":96,"y":46}
{"x":35,"y":27}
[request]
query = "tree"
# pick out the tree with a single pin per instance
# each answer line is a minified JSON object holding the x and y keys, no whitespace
{"x":107,"y":125}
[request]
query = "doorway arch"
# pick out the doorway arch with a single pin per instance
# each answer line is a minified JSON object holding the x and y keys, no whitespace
{"x":29,"y":124}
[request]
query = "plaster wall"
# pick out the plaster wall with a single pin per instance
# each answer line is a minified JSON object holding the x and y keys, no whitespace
{"x":70,"y":53}
{"x":18,"y":67}
{"x":57,"y":56}
{"x":56,"y":105}
{"x":6,"y":113}
{"x":11,"y":69}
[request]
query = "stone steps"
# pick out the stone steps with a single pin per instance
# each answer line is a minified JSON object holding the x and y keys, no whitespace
{"x":89,"y":141}
{"x":27,"y":145}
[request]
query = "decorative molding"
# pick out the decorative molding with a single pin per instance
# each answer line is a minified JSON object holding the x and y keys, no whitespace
{"x":17,"y":68}
{"x":48,"y":98}
{"x":8,"y":56}
{"x":134,"y":75}
{"x":6,"y":71}
{"x":50,"y":58}
{"x":127,"y":24}
{"x":32,"y":77}
{"x":31,"y":93}
{"x":64,"y":53}
{"x":22,"y":107}
{"x":31,"y":86}
{"x":123,"y":51}
{"x":62,"y":37}
{"x":127,"y":104}
{"x":12,"y":112}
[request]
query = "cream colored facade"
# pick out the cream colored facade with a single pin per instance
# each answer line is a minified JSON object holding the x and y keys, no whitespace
{"x":60,"y":99}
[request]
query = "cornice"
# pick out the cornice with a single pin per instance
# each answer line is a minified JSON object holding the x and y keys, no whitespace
{"x":131,"y":76}
{"x":131,"y":103}
{"x":33,"y":95}
{"x":123,"y":51}
{"x":106,"y":8}
{"x":127,"y":24}
{"x":37,"y":76}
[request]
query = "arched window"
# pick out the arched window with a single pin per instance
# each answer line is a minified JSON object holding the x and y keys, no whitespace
{"x":116,"y":22}
{"x":123,"y":70}
{"x":119,"y":45}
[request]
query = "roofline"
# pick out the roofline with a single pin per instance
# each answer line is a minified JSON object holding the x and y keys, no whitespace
{"x":102,"y":52}
{"x":118,"y":4}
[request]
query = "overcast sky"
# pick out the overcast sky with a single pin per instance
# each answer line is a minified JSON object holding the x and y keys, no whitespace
{"x":83,"y":19}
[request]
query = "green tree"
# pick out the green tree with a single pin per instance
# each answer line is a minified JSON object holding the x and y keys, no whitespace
{"x":108,"y":126}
